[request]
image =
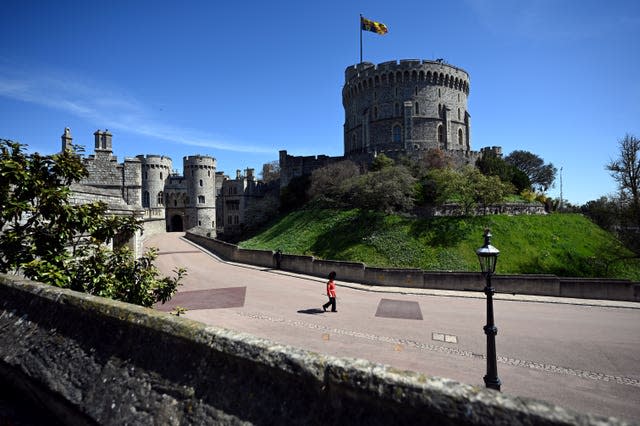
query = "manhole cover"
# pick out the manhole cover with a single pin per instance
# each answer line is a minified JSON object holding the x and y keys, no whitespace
{"x":402,"y":309}
{"x":215,"y":298}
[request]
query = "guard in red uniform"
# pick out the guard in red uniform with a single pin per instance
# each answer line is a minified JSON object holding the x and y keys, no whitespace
{"x":331,"y":293}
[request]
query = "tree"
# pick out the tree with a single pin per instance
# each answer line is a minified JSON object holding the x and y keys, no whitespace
{"x":625,"y":170}
{"x":390,"y":189}
{"x":492,"y":165}
{"x":540,"y":174}
{"x":270,"y":171}
{"x":329,"y":182}
{"x":46,"y":238}
{"x":380,"y":162}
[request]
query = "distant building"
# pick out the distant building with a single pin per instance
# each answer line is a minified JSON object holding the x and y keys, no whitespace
{"x":147,"y":186}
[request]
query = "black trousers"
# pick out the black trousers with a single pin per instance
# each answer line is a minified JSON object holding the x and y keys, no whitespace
{"x":332,"y":302}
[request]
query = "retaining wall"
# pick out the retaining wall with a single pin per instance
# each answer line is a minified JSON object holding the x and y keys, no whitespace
{"x":537,"y":285}
{"x":91,"y":360}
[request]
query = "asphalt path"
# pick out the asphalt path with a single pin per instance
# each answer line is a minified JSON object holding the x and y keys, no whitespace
{"x":579,"y":354}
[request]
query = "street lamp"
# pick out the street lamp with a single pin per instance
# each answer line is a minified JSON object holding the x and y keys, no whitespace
{"x":488,"y":257}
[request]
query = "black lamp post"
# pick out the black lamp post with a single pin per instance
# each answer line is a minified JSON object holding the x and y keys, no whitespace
{"x":488,"y":257}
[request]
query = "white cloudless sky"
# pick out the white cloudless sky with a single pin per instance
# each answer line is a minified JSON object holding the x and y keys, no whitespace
{"x":240,"y":81}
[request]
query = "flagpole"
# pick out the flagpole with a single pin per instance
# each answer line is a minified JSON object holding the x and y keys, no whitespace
{"x":360,"y":26}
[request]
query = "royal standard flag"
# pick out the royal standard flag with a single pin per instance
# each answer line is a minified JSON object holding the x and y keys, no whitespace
{"x":376,"y":27}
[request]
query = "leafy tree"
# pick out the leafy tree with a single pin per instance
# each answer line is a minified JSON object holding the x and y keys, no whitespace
{"x":46,"y":238}
{"x":330,"y":182}
{"x":540,"y":174}
{"x":381,"y":162}
{"x":492,"y":165}
{"x":625,"y":170}
{"x":294,"y":195}
{"x":389,"y":189}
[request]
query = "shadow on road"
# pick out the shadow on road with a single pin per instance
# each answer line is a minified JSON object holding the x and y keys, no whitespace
{"x":311,"y":311}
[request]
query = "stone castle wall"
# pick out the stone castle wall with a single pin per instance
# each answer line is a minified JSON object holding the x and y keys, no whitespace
{"x":91,"y":360}
{"x":406,"y":106}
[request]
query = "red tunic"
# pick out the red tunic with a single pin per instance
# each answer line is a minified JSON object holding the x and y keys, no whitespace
{"x":331,"y":289}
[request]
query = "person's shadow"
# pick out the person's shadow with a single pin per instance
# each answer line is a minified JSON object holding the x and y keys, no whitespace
{"x":311,"y":311}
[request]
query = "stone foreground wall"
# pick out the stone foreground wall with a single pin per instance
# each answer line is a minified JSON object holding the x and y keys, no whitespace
{"x":91,"y":360}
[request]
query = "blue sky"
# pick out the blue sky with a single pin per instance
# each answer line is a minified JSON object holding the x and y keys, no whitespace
{"x":242,"y":80}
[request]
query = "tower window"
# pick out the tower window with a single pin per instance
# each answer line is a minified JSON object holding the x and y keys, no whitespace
{"x":160,"y":175}
{"x":440,"y":133}
{"x":160,"y":198}
{"x":459,"y":114}
{"x":200,"y":182}
{"x":417,"y":108}
{"x":460,"y":136}
{"x":397,"y":134}
{"x":200,"y":199}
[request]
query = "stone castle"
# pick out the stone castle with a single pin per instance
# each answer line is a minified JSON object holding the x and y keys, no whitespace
{"x":148,"y":187}
{"x":402,"y":109}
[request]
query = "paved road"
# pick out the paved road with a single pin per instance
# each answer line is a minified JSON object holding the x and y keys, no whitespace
{"x":583,"y":355}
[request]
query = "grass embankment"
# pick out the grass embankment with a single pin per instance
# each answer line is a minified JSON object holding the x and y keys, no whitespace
{"x":561,"y":244}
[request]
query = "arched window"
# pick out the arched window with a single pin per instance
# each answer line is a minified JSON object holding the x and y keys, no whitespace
{"x":160,"y":198}
{"x":440,"y":133}
{"x":145,"y":199}
{"x":397,"y":134}
{"x":200,"y":199}
{"x":460,"y":136}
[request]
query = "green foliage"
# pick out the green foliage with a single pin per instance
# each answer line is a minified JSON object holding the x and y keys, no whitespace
{"x":492,"y":165}
{"x":381,"y":162}
{"x":468,"y":187}
{"x":562,"y":244}
{"x":294,"y":195}
{"x":50,"y":240}
{"x":540,"y":175}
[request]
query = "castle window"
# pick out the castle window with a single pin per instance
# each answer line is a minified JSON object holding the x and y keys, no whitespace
{"x":397,"y":109}
{"x":417,"y":109}
{"x":175,"y":203}
{"x":200,"y":199}
{"x":200,"y":182}
{"x":439,"y":93}
{"x":459,"y":117}
{"x":415,"y":91}
{"x":209,"y":173}
{"x":199,"y":223}
{"x":440,"y":133}
{"x":375,"y":95}
{"x":397,"y":134}
{"x":460,"y":136}
{"x":160,"y":198}
{"x":145,"y":199}
{"x":230,"y":220}
{"x":160,"y":175}
{"x":396,"y":91}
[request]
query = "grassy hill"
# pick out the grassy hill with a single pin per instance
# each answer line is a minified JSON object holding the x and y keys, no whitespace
{"x":561,"y":244}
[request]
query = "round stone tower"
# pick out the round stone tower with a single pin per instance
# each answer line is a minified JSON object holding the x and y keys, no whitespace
{"x":155,"y":174}
{"x":199,"y":174}
{"x":405,"y":107}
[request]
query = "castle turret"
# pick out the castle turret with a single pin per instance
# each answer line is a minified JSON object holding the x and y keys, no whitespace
{"x":199,"y":174}
{"x":405,"y":107}
{"x":67,"y":140}
{"x":155,"y":174}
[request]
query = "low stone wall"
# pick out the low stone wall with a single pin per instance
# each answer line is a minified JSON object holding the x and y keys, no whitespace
{"x":536,"y":285}
{"x":91,"y":360}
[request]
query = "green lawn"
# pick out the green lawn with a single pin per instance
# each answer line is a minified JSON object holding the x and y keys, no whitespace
{"x":561,"y":244}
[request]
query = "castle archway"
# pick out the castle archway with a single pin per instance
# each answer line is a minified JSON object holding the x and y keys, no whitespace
{"x":176,"y":223}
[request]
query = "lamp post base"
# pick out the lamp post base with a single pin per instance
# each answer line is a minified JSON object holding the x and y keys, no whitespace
{"x":492,"y":383}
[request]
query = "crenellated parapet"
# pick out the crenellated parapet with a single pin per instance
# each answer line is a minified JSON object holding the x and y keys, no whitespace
{"x":405,"y":106}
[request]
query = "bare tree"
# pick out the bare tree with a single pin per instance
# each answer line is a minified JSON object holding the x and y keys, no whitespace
{"x":625,"y":170}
